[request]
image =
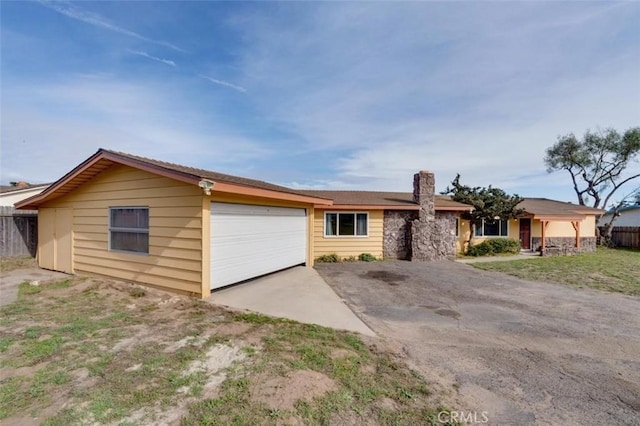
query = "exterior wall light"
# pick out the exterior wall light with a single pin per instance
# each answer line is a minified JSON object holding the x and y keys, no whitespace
{"x":206,"y":186}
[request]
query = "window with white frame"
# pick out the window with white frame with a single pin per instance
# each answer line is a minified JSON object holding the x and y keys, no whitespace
{"x":129,"y":229}
{"x":492,"y":228}
{"x":348,"y":224}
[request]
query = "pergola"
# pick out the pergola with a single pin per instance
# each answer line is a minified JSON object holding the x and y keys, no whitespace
{"x":546,"y":219}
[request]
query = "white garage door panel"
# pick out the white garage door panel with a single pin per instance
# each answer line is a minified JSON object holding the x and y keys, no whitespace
{"x":248,"y":241}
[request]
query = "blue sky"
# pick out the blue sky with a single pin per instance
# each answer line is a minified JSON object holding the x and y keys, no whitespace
{"x":338,"y":95}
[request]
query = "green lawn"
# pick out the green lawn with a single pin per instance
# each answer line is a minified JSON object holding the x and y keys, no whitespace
{"x":97,"y":351}
{"x":615,"y":270}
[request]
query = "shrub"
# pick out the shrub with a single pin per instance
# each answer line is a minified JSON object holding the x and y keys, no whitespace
{"x":350,"y":259}
{"x":137,"y":292}
{"x":494,"y":246}
{"x":328,"y":258}
{"x":367,"y":257}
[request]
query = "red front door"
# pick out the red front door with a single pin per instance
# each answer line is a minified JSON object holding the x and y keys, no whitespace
{"x":525,"y":234}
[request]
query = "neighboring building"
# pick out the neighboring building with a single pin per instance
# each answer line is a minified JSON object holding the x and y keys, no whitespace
{"x":192,"y":231}
{"x":629,"y":216}
{"x":9,"y":195}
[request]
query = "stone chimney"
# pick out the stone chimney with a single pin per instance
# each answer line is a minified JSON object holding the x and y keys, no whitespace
{"x":424,"y":190}
{"x":424,"y":246}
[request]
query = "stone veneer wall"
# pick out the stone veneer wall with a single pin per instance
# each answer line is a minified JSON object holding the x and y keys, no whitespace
{"x":563,"y":245}
{"x":397,"y":233}
{"x":445,"y":234}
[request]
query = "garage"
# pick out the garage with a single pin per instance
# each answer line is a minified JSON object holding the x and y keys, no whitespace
{"x":251,"y":240}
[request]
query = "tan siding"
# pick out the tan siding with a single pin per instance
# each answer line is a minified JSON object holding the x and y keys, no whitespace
{"x":78,"y":236}
{"x":125,"y":200}
{"x":142,"y":261}
{"x":175,"y":229}
{"x":175,"y":222}
{"x":90,"y":244}
{"x":131,"y":194}
{"x":181,"y":243}
{"x":193,"y":234}
{"x":348,"y":246}
{"x":159,"y":281}
{"x":90,"y":220}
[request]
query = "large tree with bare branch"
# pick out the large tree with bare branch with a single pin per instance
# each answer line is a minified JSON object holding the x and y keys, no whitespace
{"x":597,"y":163}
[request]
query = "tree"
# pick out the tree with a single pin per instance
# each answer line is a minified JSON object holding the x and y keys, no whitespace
{"x":488,"y":203}
{"x":597,"y":163}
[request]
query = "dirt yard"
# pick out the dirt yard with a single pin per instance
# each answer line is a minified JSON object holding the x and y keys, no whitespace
{"x":98,"y":351}
{"x":521,"y":352}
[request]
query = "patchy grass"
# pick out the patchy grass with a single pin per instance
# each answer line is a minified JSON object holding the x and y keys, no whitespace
{"x":21,"y":262}
{"x":95,"y":351}
{"x":607,"y":269}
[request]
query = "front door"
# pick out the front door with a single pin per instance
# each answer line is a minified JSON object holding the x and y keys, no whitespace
{"x":525,"y":234}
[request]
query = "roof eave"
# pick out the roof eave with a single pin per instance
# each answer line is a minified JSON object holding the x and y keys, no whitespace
{"x":368,"y":207}
{"x":230,"y":188}
{"x":558,"y":217}
{"x":454,"y":209}
{"x":590,"y":211}
{"x":35,"y":201}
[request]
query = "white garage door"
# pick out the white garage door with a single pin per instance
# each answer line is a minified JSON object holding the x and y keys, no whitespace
{"x":248,"y":241}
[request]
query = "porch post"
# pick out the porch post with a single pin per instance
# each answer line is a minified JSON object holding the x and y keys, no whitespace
{"x":576,"y":226}
{"x":543,"y":226}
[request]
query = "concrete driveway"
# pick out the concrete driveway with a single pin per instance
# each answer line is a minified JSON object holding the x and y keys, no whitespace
{"x":297,"y":293}
{"x":523,"y":352}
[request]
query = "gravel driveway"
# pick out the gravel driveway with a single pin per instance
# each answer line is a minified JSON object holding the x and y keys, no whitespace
{"x":523,"y":352}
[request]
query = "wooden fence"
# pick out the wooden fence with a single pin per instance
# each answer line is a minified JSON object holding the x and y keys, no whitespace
{"x":18,"y":232}
{"x":625,"y":236}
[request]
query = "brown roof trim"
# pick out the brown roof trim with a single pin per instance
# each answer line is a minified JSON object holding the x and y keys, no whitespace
{"x":33,"y":202}
{"x":558,"y":217}
{"x":453,"y":209}
{"x":546,"y":206}
{"x":189,"y":178}
{"x":266,"y":193}
{"x":366,"y":207}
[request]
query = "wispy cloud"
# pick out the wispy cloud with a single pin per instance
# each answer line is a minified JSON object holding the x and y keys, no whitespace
{"x":52,"y":127}
{"x":223,"y":83}
{"x":74,"y":12}
{"x":154,"y":58}
{"x":444,"y":91}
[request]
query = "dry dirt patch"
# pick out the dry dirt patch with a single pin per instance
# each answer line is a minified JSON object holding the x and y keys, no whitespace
{"x":281,"y":393}
{"x":100,"y":351}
